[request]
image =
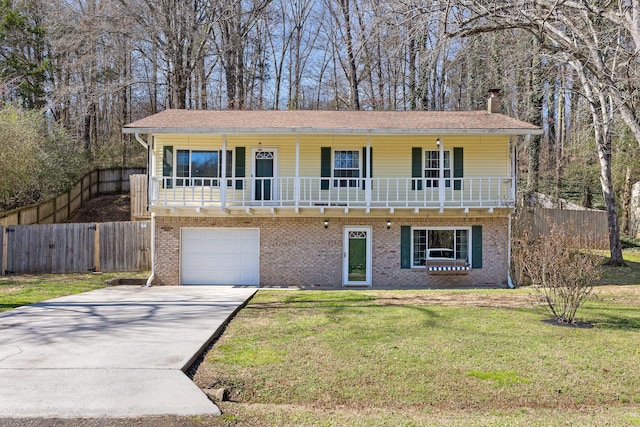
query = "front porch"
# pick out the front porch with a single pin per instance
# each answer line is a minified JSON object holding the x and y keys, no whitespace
{"x":329,"y":193}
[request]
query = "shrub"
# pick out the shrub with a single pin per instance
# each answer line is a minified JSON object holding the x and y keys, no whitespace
{"x":561,"y":267}
{"x":37,"y":157}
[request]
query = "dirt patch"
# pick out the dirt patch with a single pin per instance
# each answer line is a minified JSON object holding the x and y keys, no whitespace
{"x":474,"y":299}
{"x":113,"y":207}
{"x":580,"y":325}
{"x":622,"y":294}
{"x":161,"y":421}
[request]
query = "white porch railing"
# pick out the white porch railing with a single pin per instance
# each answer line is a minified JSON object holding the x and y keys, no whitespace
{"x":333,"y":192}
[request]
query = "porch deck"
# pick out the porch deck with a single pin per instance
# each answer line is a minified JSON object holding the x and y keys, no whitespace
{"x":313,"y":192}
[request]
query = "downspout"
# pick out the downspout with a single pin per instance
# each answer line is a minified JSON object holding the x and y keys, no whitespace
{"x":296,"y":184}
{"x":153,"y":251}
{"x":153,"y":219}
{"x":141,"y":141}
{"x":514,"y":194}
{"x":509,"y":281}
{"x":441,"y":194}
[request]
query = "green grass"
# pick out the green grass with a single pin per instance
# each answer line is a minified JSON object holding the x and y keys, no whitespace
{"x":629,"y":275}
{"x":427,"y":358}
{"x":16,"y":291}
{"x":500,"y":377}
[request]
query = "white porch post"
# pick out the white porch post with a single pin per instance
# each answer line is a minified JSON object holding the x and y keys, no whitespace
{"x":440,"y":173}
{"x":296,"y":183}
{"x":223,"y":178}
{"x":367,"y":178}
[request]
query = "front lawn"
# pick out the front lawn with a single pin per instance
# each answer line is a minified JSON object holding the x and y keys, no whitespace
{"x":482,"y":357}
{"x":629,"y":275}
{"x":16,"y":291}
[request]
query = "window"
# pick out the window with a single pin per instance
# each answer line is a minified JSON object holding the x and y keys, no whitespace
{"x":346,"y":164}
{"x":439,"y":243}
{"x":432,"y":167}
{"x":201,"y":168}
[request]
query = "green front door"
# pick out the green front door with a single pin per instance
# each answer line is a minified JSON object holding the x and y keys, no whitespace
{"x":357,"y":251}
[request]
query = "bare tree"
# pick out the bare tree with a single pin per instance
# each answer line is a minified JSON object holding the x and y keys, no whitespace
{"x":293,"y":48}
{"x":235,"y":23}
{"x":580,"y":33}
{"x":178,"y":34}
{"x":341,"y":14}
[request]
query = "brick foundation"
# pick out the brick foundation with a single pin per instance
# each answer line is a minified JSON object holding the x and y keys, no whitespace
{"x":301,"y":252}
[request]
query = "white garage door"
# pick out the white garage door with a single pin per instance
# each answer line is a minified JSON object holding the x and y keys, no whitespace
{"x":220,"y":256}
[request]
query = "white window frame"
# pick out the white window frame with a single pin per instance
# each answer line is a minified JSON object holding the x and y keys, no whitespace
{"x":369,"y":255}
{"x":274,"y":180}
{"x":188,"y":181}
{"x":350,"y":182}
{"x":433,"y":181}
{"x":469,"y":242}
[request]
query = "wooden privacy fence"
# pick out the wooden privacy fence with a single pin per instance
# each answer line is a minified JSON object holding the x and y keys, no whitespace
{"x":76,"y":248}
{"x":138,"y":189}
{"x":591,"y":225}
{"x":61,"y":207}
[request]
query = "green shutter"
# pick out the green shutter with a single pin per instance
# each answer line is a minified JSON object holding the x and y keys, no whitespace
{"x":405,"y":246}
{"x":229,"y":168}
{"x":325,"y":167}
{"x":167,"y":165}
{"x":476,"y":246}
{"x":416,"y":167}
{"x":458,"y":167}
{"x":229,"y":164}
{"x":364,"y":167}
{"x":240,"y":167}
{"x":367,"y":171}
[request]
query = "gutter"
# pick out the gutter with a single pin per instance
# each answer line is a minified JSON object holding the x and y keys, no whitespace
{"x":337,"y":131}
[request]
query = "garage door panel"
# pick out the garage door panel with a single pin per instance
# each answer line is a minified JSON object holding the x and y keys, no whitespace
{"x":220,"y":256}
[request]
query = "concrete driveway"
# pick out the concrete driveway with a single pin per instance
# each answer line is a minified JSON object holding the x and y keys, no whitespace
{"x":113,"y":352}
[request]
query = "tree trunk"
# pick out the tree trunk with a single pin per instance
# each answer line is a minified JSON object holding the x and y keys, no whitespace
{"x":626,"y":201}
{"x":615,"y":246}
{"x":413,"y":97}
{"x":153,"y":92}
{"x":602,"y":119}
{"x":354,"y":98}
{"x":533,"y":177}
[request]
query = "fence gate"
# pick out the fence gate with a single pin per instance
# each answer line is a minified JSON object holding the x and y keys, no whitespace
{"x":124,"y":246}
{"x":52,"y":248}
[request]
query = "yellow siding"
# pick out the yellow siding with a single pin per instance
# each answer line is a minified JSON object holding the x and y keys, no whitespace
{"x":484,"y":156}
{"x":487,"y":156}
{"x":310,"y":146}
{"x":183,"y":142}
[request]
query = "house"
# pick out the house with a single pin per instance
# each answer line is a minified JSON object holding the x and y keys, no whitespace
{"x":331,"y":198}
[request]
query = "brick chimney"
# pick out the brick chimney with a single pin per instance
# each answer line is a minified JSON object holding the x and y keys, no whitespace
{"x":493,"y":103}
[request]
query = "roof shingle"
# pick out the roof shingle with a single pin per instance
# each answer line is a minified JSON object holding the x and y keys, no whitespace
{"x":315,"y":121}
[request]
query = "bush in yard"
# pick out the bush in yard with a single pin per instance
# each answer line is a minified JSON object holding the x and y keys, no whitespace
{"x":37,"y":157}
{"x":561,"y":267}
